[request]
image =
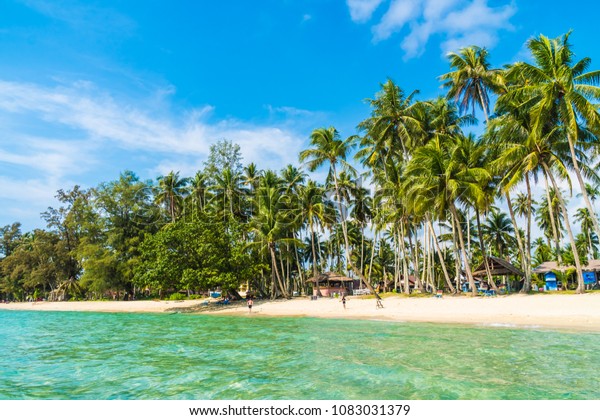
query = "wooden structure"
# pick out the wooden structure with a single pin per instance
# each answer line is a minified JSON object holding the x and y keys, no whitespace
{"x":331,"y":283}
{"x":498,"y":267}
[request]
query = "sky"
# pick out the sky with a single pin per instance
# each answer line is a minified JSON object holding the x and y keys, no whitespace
{"x":89,"y":89}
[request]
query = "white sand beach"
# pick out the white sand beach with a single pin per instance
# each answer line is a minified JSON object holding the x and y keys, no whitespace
{"x":574,"y":312}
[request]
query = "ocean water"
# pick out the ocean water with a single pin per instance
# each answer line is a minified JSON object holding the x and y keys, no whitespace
{"x":68,"y":355}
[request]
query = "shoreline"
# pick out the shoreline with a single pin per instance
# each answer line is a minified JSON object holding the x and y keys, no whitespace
{"x":563,"y":312}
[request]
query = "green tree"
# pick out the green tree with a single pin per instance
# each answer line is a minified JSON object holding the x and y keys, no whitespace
{"x":193,"y":256}
{"x":472,"y":79}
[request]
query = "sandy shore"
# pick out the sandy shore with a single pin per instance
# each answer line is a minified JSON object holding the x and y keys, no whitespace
{"x":574,"y":312}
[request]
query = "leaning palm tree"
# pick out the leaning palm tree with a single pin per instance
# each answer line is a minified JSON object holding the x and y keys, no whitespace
{"x":329,"y":149}
{"x":472,"y":79}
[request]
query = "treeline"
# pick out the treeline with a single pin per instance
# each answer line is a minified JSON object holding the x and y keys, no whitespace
{"x":431,"y":214}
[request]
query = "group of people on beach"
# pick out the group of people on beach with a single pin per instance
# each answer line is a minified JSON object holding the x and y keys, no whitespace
{"x":378,"y":304}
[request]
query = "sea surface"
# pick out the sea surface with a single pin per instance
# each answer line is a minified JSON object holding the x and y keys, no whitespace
{"x":72,"y":355}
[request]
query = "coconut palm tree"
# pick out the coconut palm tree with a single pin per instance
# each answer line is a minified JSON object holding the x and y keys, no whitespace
{"x":171,"y":190}
{"x":499,"y":232}
{"x":312,"y":207}
{"x":583,"y":217}
{"x":198,"y":191}
{"x":472,"y":79}
{"x":228,"y":194}
{"x":389,"y":131}
{"x":271,"y":225}
{"x":560,"y":91}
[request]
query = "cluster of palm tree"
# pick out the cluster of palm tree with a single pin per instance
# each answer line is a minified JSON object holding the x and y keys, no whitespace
{"x":411,"y":201}
{"x":426,"y":169}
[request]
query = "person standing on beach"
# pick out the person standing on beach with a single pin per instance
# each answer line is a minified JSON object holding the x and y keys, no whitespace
{"x":344,"y":301}
{"x":250,"y":303}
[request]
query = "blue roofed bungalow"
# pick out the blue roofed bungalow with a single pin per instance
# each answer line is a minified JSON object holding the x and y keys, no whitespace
{"x":551,"y":269}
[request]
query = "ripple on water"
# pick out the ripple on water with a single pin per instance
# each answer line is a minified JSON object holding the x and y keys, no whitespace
{"x":67,"y":355}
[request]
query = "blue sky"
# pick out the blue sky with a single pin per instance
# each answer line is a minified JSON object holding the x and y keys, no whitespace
{"x":89,"y":89}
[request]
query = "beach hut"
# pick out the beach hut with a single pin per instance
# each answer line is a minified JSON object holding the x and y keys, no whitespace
{"x":498,"y":267}
{"x":332,"y":283}
{"x":550,"y":268}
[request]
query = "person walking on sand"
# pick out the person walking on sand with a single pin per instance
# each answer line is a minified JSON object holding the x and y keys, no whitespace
{"x":379,"y":303}
{"x":344,"y":301}
{"x":250,"y":303}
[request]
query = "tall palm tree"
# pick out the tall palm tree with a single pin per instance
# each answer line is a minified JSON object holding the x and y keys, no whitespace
{"x":171,"y":190}
{"x":389,"y":131}
{"x":228,"y":194}
{"x":270,"y":225}
{"x":561,"y":92}
{"x":499,"y":231}
{"x":312,"y":208}
{"x":199,"y":191}
{"x":582,"y":215}
{"x":472,"y":79}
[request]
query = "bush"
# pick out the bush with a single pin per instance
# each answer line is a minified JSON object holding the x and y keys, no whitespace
{"x":194,"y":297}
{"x":177,"y":296}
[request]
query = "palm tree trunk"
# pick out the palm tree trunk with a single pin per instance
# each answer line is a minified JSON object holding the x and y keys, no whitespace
{"x":415,"y":259}
{"x":528,"y":221}
{"x":372,"y":255}
{"x":314,"y":255}
{"x":468,"y":220}
{"x":346,"y":241}
{"x":404,"y":258}
{"x":526,"y":269}
{"x":456,"y":255}
{"x":441,"y":256}
{"x":274,"y":266}
{"x":553,"y":222}
{"x":586,"y":198}
{"x":486,"y":264}
{"x":462,"y":246}
{"x":563,"y":207}
{"x":298,"y":264}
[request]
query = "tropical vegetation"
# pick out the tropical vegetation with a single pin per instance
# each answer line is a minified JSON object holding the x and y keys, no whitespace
{"x":412,"y":201}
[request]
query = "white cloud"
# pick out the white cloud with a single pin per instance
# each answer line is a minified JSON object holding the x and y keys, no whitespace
{"x":102,"y":120}
{"x":458,"y":22}
{"x":399,"y":14}
{"x":361,"y":10}
{"x":55,"y":137}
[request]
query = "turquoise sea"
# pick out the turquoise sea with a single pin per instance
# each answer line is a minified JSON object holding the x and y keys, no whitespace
{"x":69,"y":355}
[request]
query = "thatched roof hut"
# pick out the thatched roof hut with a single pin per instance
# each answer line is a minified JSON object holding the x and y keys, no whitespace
{"x":332,"y":283}
{"x":498,"y":267}
{"x":330,"y":277}
{"x":552,"y":266}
